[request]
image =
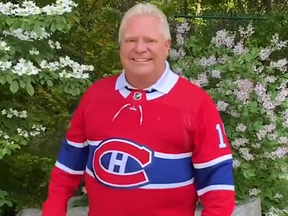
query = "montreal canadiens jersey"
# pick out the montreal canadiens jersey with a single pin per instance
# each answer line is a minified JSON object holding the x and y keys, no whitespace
{"x":152,"y":152}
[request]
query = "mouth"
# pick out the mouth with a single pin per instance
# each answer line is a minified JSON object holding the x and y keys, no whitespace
{"x":141,"y":59}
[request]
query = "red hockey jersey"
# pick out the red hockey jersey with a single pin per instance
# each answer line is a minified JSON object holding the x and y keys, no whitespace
{"x":147,"y":152}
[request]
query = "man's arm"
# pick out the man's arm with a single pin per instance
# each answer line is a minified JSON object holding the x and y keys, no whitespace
{"x":70,"y":166}
{"x":212,"y":160}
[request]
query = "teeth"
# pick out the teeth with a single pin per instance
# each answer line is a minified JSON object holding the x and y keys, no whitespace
{"x":141,"y":60}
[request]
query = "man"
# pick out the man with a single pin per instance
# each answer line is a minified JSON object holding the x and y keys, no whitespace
{"x":146,"y":142}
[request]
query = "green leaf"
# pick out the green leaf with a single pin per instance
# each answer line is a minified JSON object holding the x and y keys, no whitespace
{"x":231,"y":67}
{"x":2,"y":80}
{"x":23,"y":142}
{"x":38,"y":59}
{"x":22,"y":84}
{"x":248,"y":57}
{"x":253,"y":107}
{"x":27,"y":79}
{"x":60,"y":26}
{"x":245,"y":165}
{"x":77,"y":91}
{"x":54,"y":75}
{"x":49,"y":83}
{"x":38,"y":29}
{"x":17,"y":25}
{"x":14,"y":146}
{"x":9,"y":78}
{"x":3,"y":193}
{"x":9,"y":203}
{"x":2,"y":202}
{"x":248,"y":173}
{"x":11,"y":51}
{"x":41,"y":75}
{"x":67,"y":88}
{"x":89,"y":82}
{"x":9,"y":21}
{"x":14,"y":86}
{"x":24,"y":26}
{"x":6,"y":151}
{"x":53,"y":27}
{"x":29,"y":88}
{"x":257,"y":125}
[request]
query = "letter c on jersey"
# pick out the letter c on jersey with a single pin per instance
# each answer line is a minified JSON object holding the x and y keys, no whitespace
{"x":129,"y":151}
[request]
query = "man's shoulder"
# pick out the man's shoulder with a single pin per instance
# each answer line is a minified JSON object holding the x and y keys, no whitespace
{"x":190,"y":88}
{"x":191,"y":97}
{"x":103,"y":84}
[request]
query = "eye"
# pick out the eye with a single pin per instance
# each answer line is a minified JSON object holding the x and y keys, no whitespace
{"x":130,"y":40}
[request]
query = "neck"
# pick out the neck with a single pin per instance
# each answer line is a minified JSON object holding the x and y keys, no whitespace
{"x":142,"y":82}
{"x":145,"y":81}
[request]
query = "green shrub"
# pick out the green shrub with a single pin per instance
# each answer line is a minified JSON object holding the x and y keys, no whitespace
{"x":29,"y":65}
{"x":26,"y":177}
{"x":250,"y":91}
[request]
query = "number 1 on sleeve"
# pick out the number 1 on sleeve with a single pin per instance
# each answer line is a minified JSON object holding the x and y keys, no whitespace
{"x":222,"y":144}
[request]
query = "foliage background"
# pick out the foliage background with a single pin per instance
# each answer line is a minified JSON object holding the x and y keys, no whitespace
{"x":93,"y":41}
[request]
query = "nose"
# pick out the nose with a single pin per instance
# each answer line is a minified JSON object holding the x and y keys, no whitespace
{"x":140,"y":47}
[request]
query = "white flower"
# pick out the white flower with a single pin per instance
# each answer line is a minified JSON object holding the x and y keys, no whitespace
{"x":28,"y":8}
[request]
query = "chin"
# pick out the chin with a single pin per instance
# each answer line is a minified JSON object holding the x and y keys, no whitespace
{"x":141,"y":69}
{"x":141,"y":72}
{"x":138,"y":68}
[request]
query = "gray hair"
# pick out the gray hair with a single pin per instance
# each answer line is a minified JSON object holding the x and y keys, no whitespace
{"x":145,"y":9}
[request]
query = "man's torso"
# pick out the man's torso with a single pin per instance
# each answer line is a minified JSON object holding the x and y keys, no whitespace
{"x":139,"y":152}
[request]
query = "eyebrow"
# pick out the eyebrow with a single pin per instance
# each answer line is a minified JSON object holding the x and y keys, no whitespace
{"x":133,"y":37}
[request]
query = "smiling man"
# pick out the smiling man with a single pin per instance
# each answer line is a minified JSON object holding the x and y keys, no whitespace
{"x":143,"y":47}
{"x":147,"y":142}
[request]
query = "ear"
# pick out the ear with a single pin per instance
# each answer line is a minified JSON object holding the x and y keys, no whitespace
{"x":168,"y":46}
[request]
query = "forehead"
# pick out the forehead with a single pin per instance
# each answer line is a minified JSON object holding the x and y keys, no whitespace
{"x":143,"y":26}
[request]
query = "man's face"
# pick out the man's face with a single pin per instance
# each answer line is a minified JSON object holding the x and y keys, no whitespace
{"x":143,"y":48}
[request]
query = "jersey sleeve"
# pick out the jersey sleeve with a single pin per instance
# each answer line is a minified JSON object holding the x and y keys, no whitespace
{"x":69,"y":169}
{"x":212,"y":161}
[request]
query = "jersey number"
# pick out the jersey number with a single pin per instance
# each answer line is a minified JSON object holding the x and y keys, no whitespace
{"x":222,"y":144}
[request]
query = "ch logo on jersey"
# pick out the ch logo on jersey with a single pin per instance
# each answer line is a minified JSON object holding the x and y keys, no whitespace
{"x":120,"y":163}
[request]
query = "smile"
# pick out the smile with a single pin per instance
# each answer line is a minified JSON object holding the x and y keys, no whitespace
{"x":140,"y":60}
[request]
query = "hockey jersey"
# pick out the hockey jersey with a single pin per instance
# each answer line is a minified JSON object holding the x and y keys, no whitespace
{"x":151,"y":152}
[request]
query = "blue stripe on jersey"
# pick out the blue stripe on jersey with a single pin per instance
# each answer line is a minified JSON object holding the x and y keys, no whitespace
{"x":147,"y":91}
{"x":165,"y":171}
{"x":169,"y":170}
{"x":218,"y":174}
{"x":73,"y":157}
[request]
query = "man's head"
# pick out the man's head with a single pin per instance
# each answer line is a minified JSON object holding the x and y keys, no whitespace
{"x":144,"y":38}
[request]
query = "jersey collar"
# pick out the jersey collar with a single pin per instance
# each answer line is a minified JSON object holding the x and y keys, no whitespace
{"x":163,"y":85}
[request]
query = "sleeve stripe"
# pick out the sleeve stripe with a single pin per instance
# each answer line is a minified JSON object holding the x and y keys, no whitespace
{"x":74,"y":158}
{"x":215,"y":188}
{"x":93,"y":143}
{"x":77,"y":145}
{"x":67,"y":169}
{"x":219,"y":174}
{"x":173,"y":156}
{"x":212,"y":162}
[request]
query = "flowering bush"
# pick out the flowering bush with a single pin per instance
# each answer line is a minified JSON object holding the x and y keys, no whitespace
{"x":249,"y":88}
{"x":28,"y":61}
